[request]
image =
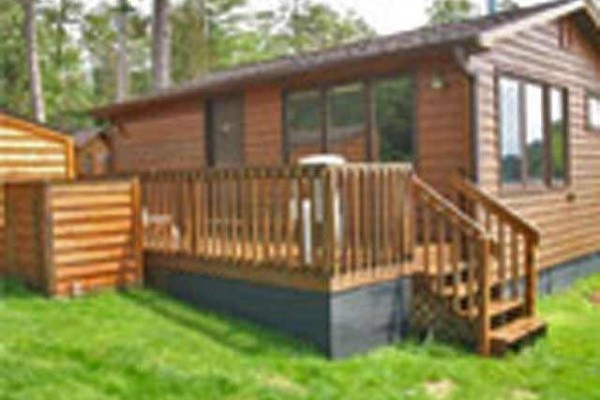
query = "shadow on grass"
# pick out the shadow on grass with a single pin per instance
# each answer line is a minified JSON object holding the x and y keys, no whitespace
{"x":12,"y":289}
{"x":242,"y":336}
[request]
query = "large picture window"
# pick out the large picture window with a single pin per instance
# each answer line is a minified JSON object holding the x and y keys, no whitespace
{"x":359,"y":120}
{"x":533,"y":133}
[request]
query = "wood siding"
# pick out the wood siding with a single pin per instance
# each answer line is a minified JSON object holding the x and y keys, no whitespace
{"x":29,"y":151}
{"x":569,"y":218}
{"x":93,"y":159}
{"x":69,"y":238}
{"x":171,"y":137}
{"x":175,"y":138}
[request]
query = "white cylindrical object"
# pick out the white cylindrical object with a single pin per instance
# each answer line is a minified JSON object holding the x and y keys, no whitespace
{"x":307,"y":241}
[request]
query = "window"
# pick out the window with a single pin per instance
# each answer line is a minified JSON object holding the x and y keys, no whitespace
{"x":303,"y":117}
{"x":346,"y":107}
{"x":395,"y":118}
{"x":350,"y":126}
{"x":593,"y":112}
{"x":533,"y":133}
{"x":558,"y":135}
{"x":510,"y":105}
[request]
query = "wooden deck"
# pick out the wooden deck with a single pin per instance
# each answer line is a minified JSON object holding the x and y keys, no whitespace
{"x":336,"y":228}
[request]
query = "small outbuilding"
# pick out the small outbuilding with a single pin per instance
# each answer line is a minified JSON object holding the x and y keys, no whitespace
{"x":93,"y":152}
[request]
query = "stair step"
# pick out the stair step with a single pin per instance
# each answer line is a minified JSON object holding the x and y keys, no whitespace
{"x":497,"y":307}
{"x":462,"y":289}
{"x":515,"y":332}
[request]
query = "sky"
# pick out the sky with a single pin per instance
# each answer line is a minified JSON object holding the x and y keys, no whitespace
{"x":385,"y":16}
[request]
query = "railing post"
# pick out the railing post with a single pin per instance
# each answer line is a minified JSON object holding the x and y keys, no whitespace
{"x":531,"y":255}
{"x":484,"y":290}
{"x":329,"y":230}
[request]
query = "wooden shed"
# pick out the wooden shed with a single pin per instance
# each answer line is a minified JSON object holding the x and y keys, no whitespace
{"x":30,"y":151}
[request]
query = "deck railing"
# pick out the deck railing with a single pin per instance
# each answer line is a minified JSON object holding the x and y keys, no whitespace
{"x":455,"y":256}
{"x":515,"y":242}
{"x":326,"y":220}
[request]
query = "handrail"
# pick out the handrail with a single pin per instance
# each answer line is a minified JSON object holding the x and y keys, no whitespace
{"x":469,"y":244}
{"x":511,"y":267}
{"x":477,"y":194}
{"x":450,"y":208}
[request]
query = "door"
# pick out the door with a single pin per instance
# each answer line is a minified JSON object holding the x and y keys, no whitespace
{"x":226,"y":131}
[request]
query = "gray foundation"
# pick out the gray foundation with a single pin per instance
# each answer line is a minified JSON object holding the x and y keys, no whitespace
{"x":338,"y":324}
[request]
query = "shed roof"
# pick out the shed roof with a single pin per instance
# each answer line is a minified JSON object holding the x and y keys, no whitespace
{"x":482,"y":31}
{"x":14,"y":120}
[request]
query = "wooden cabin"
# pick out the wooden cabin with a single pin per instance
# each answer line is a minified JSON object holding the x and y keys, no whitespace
{"x":93,"y":152}
{"x":509,"y":100}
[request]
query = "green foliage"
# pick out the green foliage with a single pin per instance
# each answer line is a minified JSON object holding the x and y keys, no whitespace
{"x":141,"y":345}
{"x":448,"y":11}
{"x":77,"y":46}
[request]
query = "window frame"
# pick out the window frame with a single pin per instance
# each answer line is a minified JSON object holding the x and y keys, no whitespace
{"x":548,"y":182}
{"x":590,"y":95}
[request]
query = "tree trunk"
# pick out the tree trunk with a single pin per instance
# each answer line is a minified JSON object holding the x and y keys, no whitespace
{"x":122,"y":89}
{"x":33,"y":64}
{"x":161,"y":45}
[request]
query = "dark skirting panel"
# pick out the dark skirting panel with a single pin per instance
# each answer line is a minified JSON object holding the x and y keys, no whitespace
{"x":337,"y":324}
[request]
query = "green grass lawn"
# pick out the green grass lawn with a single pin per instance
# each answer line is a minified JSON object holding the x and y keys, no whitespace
{"x":142,"y":345}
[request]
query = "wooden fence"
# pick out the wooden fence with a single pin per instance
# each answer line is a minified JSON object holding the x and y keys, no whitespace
{"x":66,"y":238}
{"x":329,"y":221}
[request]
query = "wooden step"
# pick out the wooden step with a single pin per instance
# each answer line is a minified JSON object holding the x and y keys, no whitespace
{"x":463,"y":288}
{"x":497,"y":308}
{"x":515,"y":333}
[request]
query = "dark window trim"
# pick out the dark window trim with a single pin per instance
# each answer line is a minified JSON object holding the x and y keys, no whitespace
{"x":368,"y":127}
{"x":589,"y":94}
{"x":548,"y":182}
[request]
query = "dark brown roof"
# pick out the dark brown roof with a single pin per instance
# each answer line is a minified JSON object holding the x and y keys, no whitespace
{"x":83,"y":137}
{"x":425,"y":37}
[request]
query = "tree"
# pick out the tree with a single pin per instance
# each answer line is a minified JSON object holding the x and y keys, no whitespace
{"x":506,"y":5}
{"x":448,"y":11}
{"x":161,"y":45}
{"x":33,"y":64}
{"x":313,"y":26}
{"x":122,"y":87}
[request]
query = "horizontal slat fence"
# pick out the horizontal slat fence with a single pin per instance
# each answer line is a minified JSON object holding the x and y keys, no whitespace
{"x":67,"y":238}
{"x":325,"y":220}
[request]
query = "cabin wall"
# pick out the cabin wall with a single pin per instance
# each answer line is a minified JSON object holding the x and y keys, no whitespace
{"x":172,"y":135}
{"x":263,"y":139}
{"x":169,"y":137}
{"x":569,"y":218}
{"x":444,"y":144}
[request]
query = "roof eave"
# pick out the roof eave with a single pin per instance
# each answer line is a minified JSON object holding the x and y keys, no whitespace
{"x":490,"y":38}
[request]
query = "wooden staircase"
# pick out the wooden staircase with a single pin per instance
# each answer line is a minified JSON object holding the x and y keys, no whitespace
{"x":477,"y":272}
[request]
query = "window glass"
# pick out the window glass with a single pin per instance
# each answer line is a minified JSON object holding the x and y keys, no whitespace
{"x":303,"y":110}
{"x":534,"y":134}
{"x":594,"y":112}
{"x":558,"y":134}
{"x":510,"y":131}
{"x":395,"y":116}
{"x":303,"y":117}
{"x":346,"y":106}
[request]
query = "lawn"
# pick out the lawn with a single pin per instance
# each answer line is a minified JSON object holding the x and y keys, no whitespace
{"x":141,"y":345}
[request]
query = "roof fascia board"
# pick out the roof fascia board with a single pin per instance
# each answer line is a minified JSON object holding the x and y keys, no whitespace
{"x":34,"y":128}
{"x":491,"y":37}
